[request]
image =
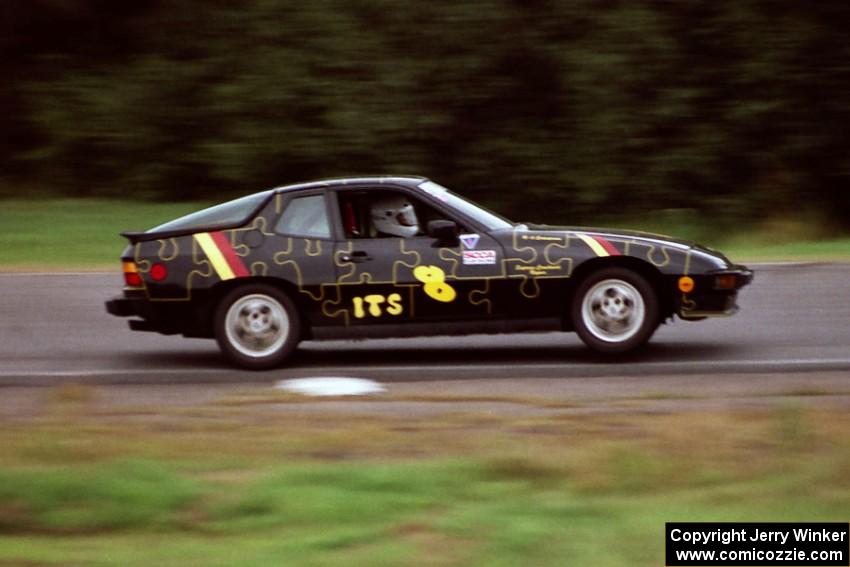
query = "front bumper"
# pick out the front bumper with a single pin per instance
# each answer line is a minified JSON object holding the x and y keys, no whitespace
{"x":715,"y":294}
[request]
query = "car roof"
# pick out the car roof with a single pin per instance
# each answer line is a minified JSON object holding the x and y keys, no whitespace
{"x":403,"y":180}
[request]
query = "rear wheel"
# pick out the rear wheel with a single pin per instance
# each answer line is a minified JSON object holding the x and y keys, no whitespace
{"x":257,"y":326}
{"x":615,"y":310}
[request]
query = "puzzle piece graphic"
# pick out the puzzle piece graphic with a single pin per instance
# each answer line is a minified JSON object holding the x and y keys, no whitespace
{"x":529,"y":288}
{"x":200,"y":262}
{"x":410,"y":263}
{"x":333,"y":307}
{"x":260,"y":224}
{"x":298,"y":278}
{"x":163,"y":245}
{"x":554,"y":262}
{"x":651,"y":253}
{"x":340,"y":263}
{"x":141,"y":265}
{"x":555,"y":252}
{"x":481,"y":297}
{"x":365,"y":278}
{"x":308,"y":246}
{"x":259,"y":269}
{"x":279,"y":256}
{"x":453,"y":258}
{"x":521,"y":242}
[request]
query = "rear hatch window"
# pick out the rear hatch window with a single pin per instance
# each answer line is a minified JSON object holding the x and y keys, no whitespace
{"x":231,"y":213}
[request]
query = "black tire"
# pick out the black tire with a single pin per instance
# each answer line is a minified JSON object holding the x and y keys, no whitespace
{"x":257,"y":326}
{"x":615,"y":310}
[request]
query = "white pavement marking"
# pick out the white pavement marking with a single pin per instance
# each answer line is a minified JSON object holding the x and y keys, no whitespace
{"x":331,"y":386}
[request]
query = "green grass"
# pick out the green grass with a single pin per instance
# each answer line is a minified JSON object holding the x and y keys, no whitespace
{"x":834,"y":250}
{"x":85,"y":499}
{"x":803,"y":239}
{"x":82,"y":234}
{"x":75,"y":233}
{"x":472,"y":512}
{"x":246,"y":485}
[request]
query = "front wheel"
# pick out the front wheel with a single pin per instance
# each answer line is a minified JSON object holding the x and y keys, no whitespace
{"x":615,"y":310}
{"x":257,"y":326}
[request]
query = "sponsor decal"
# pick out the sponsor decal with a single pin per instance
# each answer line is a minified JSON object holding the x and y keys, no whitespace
{"x":470,"y":241}
{"x":599,"y":245}
{"x":221,"y":255}
{"x":479,"y":257}
{"x":538,"y":270}
{"x":542,"y":237}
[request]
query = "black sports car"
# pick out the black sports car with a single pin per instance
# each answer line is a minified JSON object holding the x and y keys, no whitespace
{"x":404,"y":256}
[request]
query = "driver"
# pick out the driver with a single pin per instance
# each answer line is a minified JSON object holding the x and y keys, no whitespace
{"x":394,"y":216}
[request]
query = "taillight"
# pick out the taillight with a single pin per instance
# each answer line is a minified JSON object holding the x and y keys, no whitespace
{"x":131,"y":274}
{"x":159,"y":272}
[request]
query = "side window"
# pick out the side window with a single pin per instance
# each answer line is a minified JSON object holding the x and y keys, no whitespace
{"x":383,"y":213}
{"x":305,"y":216}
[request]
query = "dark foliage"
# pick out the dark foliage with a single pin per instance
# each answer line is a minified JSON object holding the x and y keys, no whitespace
{"x":587,"y":107}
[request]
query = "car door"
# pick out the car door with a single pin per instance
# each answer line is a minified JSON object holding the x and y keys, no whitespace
{"x":411,"y":277}
{"x":298,"y":247}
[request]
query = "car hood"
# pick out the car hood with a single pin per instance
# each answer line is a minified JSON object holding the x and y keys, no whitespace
{"x":708,"y":254}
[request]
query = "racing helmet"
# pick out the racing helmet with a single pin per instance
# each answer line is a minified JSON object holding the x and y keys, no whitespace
{"x":394,"y":215}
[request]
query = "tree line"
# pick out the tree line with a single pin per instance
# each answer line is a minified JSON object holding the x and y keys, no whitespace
{"x":559,"y":110}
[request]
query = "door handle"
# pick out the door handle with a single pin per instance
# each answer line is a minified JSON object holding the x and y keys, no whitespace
{"x":357,"y":256}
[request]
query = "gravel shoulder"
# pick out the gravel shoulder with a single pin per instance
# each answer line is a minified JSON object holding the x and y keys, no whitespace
{"x":527,"y":396}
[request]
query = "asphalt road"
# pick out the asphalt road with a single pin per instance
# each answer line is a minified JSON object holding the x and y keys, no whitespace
{"x":53,"y":329}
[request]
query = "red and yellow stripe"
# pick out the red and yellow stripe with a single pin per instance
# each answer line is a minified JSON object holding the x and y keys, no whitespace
{"x":221,"y":255}
{"x":599,"y":245}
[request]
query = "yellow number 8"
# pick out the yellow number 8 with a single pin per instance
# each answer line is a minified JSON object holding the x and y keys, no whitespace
{"x":435,"y":283}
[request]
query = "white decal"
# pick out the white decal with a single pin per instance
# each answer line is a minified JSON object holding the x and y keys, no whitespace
{"x":479,"y":257}
{"x":470,"y":241}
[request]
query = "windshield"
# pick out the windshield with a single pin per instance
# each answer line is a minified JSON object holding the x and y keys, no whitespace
{"x":229,"y":213}
{"x":490,"y":220}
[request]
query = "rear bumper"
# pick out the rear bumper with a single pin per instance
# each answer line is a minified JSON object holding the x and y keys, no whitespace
{"x":133,"y":302}
{"x":123,"y":307}
{"x":167,"y":318}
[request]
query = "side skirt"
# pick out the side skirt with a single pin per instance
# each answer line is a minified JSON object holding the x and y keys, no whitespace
{"x":489,"y":327}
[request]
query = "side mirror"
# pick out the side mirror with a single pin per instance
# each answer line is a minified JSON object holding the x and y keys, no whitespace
{"x":444,"y":232}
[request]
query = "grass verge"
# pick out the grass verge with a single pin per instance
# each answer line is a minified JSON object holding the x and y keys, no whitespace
{"x":235,"y":485}
{"x":75,"y":234}
{"x":82,"y":234}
